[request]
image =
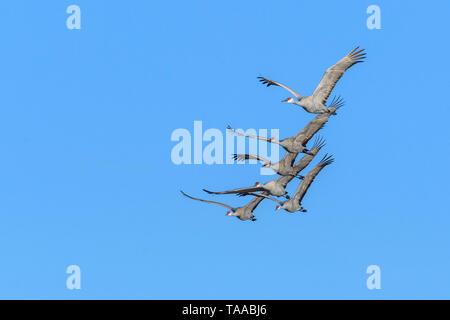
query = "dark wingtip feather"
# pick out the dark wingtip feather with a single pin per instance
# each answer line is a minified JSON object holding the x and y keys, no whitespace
{"x":318,"y":143}
{"x":262,"y":79}
{"x":265,"y":81}
{"x":337,"y":102}
{"x":326,"y":160}
{"x":351,"y":52}
{"x":235,"y":157}
{"x":358,"y":56}
{"x":207,"y":191}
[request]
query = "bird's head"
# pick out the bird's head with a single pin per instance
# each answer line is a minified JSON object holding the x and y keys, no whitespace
{"x":230,"y":213}
{"x":267,"y":164}
{"x":289,"y":100}
{"x":258,"y":184}
{"x":278,"y":207}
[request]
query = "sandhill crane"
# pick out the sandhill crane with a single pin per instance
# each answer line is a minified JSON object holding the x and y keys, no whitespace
{"x":272,"y":187}
{"x":282,"y":168}
{"x":297,"y":143}
{"x":316,"y":102}
{"x":243,"y":213}
{"x":287,"y":144}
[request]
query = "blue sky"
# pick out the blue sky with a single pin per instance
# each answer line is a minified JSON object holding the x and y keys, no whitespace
{"x":87,"y":177}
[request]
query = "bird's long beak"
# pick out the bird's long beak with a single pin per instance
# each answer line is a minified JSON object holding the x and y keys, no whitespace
{"x":285,"y":100}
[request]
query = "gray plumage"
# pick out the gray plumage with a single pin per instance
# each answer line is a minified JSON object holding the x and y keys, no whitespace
{"x":316,"y":102}
{"x":288,"y":144}
{"x":283,"y":168}
{"x":297,"y":143}
{"x":242,"y":213}
{"x":272,"y":187}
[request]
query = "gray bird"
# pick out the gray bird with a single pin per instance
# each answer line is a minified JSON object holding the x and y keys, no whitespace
{"x":288,"y":143}
{"x":297,"y":143}
{"x":243,"y":213}
{"x":316,"y":103}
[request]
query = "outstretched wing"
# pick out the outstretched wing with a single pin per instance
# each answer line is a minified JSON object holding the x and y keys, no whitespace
{"x":249,"y":135}
{"x":242,"y":157}
{"x":239,"y":190}
{"x":335,"y":72}
{"x":269,"y":83}
{"x":213,"y":202}
{"x":309,"y":178}
{"x":264,"y":196}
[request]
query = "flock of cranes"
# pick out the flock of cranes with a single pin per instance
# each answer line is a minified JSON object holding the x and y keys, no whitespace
{"x":287,"y":168}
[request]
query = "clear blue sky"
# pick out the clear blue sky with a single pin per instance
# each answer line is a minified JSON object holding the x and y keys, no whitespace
{"x":86,"y":176}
